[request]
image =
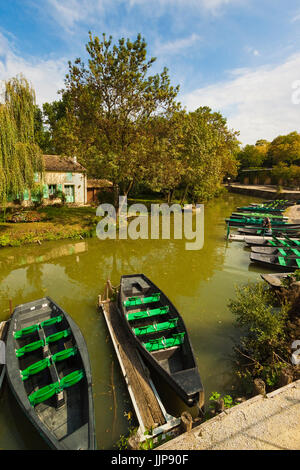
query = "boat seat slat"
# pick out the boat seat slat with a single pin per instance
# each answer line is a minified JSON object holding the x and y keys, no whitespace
{"x":30,"y":347}
{"x":65,"y":354}
{"x":57,"y":336}
{"x":132,"y":301}
{"x":148,"y":329}
{"x":35,"y":368}
{"x":164,"y":343}
{"x":147,"y":313}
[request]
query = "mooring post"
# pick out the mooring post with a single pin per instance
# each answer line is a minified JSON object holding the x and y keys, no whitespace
{"x":10,"y":307}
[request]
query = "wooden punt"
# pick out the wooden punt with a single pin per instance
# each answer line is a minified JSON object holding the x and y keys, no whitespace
{"x":48,"y":370}
{"x":160,"y":335}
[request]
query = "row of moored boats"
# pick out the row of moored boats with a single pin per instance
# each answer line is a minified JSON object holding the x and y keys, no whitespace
{"x":274,"y":242}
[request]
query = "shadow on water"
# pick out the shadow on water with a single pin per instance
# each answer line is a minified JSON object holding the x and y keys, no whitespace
{"x":199,"y":283}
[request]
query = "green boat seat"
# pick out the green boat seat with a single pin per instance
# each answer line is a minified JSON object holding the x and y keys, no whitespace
{"x":30,"y":347}
{"x":282,"y":242}
{"x":57,"y":336}
{"x":295,"y":251}
{"x":35,"y":368}
{"x":132,"y":301}
{"x":43,"y":394}
{"x":147,"y":313}
{"x":164,"y":343}
{"x":65,"y":354}
{"x":298,"y":262}
{"x":282,"y":252}
{"x":293,"y":242}
{"x":71,"y":379}
{"x":282,"y":261}
{"x":26,"y":331}
{"x":155,"y":328}
{"x":33,"y":328}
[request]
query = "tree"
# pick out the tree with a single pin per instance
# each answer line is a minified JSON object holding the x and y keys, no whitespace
{"x":42,"y":135}
{"x":208,"y":155}
{"x":20,"y":156}
{"x":109,"y":105}
{"x":253,"y":156}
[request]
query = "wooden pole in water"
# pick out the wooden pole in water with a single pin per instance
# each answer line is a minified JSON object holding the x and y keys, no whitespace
{"x":10,"y":307}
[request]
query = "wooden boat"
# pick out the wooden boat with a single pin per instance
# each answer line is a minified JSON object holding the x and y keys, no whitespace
{"x":275,"y":280}
{"x":261,"y":210}
{"x":256,"y":215}
{"x":49,"y":372}
{"x":289,"y":251}
{"x":280,"y":263}
{"x":159,"y":333}
{"x":277,"y":231}
{"x":3,"y":334}
{"x":242,"y":221}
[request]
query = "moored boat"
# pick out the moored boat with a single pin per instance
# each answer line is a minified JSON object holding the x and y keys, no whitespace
{"x":272,"y":241}
{"x":49,"y":372}
{"x":280,"y":263}
{"x":160,"y":335}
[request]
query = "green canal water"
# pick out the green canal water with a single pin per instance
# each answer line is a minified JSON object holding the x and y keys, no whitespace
{"x":199,"y":283}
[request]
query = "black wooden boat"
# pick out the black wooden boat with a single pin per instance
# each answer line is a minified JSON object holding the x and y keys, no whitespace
{"x":258,"y":223}
{"x":255,"y":215}
{"x":285,"y":230}
{"x":3,"y":333}
{"x":49,"y":372}
{"x":160,"y":335}
{"x":290,"y":251}
{"x":280,"y":263}
{"x":275,"y":280}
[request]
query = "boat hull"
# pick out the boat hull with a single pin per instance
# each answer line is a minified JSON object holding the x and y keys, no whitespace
{"x":273,"y":263}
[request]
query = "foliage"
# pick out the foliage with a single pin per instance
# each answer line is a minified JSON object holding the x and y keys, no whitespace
{"x":290,"y":176}
{"x":253,"y":156}
{"x":227,"y":399}
{"x":285,"y":149}
{"x":20,"y":156}
{"x":262,"y":319}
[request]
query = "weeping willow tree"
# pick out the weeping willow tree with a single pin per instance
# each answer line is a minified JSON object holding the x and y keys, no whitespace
{"x":20,"y":156}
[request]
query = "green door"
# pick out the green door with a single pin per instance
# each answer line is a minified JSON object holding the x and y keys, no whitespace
{"x":69,"y":192}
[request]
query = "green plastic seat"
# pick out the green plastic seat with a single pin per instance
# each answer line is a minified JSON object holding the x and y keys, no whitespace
{"x":26,"y":331}
{"x":155,"y":328}
{"x":51,"y":321}
{"x":71,"y":379}
{"x":147,"y":313}
{"x":35,"y":368}
{"x":298,"y":262}
{"x":164,"y":343}
{"x":43,"y":394}
{"x":30,"y":347}
{"x":282,"y":252}
{"x":132,"y":301}
{"x":65,"y":354}
{"x":57,"y":336}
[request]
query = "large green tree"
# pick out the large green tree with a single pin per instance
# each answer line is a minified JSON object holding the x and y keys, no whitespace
{"x":208,"y":154}
{"x":20,"y":156}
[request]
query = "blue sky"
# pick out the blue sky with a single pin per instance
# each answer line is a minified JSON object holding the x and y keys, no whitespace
{"x":240,"y":57}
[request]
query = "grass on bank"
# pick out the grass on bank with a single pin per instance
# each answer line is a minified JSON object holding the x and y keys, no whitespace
{"x":54,"y":223}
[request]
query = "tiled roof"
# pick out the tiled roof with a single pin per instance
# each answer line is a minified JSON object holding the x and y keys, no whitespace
{"x":95,"y":183}
{"x":59,"y":163}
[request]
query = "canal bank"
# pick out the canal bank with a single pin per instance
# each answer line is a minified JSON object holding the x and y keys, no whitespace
{"x":270,"y":422}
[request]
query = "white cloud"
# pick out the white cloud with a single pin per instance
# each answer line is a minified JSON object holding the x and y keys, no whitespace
{"x":68,"y":13}
{"x":45,"y":75}
{"x":257,"y":102}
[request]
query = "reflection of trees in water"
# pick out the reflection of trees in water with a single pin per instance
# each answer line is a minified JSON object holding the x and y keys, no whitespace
{"x":158,"y":258}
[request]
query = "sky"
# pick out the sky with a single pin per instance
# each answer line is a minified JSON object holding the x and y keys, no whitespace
{"x":239,"y":57}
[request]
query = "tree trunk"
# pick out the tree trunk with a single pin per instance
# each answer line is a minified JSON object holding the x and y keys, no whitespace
{"x":184,"y":194}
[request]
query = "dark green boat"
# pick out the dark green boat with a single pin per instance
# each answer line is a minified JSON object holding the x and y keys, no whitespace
{"x":48,"y":370}
{"x":279,"y":263}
